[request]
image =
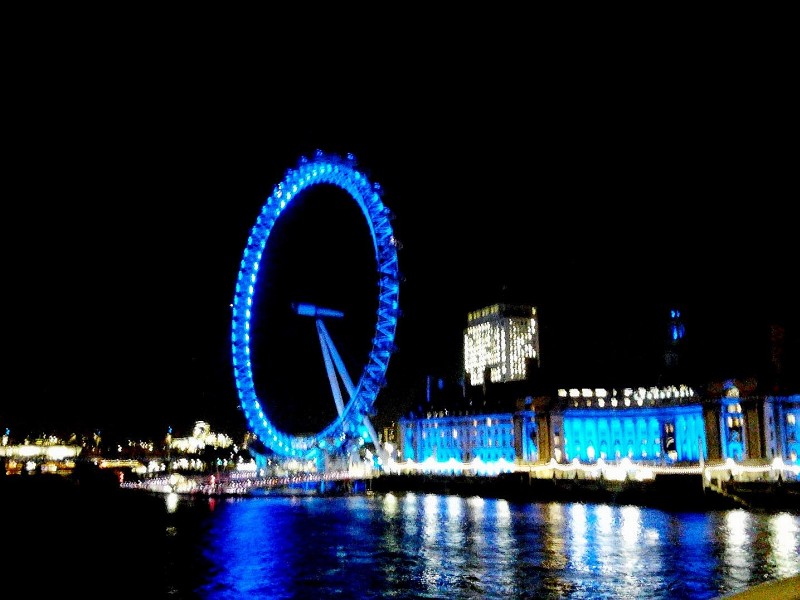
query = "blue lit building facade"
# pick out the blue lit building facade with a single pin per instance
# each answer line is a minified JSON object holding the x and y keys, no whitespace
{"x":643,"y":424}
{"x":652,"y":426}
{"x":663,"y":425}
{"x":487,"y":437}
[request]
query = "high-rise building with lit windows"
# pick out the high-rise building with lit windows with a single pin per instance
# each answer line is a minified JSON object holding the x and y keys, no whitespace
{"x":500,"y":341}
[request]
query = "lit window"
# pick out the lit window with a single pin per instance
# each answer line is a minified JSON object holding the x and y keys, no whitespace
{"x":790,"y":418}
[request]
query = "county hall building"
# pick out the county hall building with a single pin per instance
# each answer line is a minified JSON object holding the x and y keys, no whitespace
{"x":656,"y":425}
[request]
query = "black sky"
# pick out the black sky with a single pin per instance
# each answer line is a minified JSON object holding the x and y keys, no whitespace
{"x":601,"y":191}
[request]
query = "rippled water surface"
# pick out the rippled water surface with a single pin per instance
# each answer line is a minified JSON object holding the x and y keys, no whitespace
{"x":434,"y":546}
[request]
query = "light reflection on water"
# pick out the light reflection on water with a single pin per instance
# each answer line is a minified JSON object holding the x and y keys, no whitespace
{"x":434,"y":546}
{"x":783,"y":536}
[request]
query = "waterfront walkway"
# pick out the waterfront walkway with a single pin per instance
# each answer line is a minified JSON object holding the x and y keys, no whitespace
{"x":783,"y":589}
{"x":669,"y":492}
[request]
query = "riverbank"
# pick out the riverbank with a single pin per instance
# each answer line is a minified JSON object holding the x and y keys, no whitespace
{"x":782,"y":589}
{"x":669,"y":492}
{"x":684,"y":492}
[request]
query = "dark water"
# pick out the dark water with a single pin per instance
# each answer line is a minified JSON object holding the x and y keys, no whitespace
{"x":403,"y":546}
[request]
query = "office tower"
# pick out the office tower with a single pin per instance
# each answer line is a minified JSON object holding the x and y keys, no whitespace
{"x":500,"y":341}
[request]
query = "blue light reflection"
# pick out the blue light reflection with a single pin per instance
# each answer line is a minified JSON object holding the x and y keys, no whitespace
{"x":436,"y":546}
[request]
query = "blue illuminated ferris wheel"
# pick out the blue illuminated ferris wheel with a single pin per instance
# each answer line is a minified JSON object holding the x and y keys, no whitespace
{"x":352,"y":420}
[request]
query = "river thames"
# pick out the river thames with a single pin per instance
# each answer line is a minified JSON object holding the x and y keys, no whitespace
{"x":401,"y":546}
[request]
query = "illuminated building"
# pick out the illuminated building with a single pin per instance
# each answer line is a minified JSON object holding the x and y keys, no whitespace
{"x":48,"y":457}
{"x":201,"y":437}
{"x":653,"y":424}
{"x":499,"y":341}
{"x":659,"y":426}
{"x":650,"y":426}
{"x":488,"y":438}
{"x":754,"y":426}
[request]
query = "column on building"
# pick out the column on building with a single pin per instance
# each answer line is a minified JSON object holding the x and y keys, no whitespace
{"x":525,"y":436}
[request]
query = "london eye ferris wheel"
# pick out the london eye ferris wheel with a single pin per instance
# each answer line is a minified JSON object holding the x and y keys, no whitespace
{"x":355,"y":406}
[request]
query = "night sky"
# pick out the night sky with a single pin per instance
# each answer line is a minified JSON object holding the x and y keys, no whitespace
{"x":602,"y":194}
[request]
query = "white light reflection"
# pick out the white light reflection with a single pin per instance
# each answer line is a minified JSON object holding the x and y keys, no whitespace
{"x":171,"y":500}
{"x":737,"y":551}
{"x":503,"y":514}
{"x":555,"y":557}
{"x":390,"y":507}
{"x":577,"y":520}
{"x":431,"y":551}
{"x":481,"y":553}
{"x":431,"y":516}
{"x":785,"y":544}
{"x":503,"y":547}
{"x":391,"y":510}
{"x":455,"y":526}
{"x":631,"y":526}
{"x":606,"y":541}
{"x":605,"y":519}
{"x":494,"y":554}
{"x":455,"y":506}
{"x":410,"y":512}
{"x":476,"y":507}
{"x":632,"y":569}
